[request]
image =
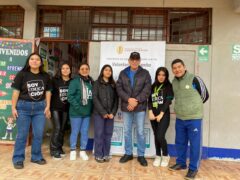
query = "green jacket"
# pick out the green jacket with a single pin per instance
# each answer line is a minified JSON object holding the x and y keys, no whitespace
{"x":188,"y":103}
{"x":75,"y":98}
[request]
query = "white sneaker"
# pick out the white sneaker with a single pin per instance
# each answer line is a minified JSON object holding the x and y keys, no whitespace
{"x":165,"y":161}
{"x":73,"y":155}
{"x":83,"y":155}
{"x":157,"y":161}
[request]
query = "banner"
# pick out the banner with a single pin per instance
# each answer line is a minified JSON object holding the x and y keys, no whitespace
{"x":117,"y":54}
{"x":13,"y":55}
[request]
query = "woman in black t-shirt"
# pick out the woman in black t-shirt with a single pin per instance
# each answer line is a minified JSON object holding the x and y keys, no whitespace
{"x":59,"y":109}
{"x":30,"y":106}
{"x":159,"y":114}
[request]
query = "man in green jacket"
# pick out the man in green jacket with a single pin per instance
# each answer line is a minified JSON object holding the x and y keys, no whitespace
{"x":190,"y":93}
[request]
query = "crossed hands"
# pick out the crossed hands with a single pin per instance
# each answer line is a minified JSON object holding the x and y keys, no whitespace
{"x":132,"y":103}
{"x":158,"y":117}
{"x":108,"y":116}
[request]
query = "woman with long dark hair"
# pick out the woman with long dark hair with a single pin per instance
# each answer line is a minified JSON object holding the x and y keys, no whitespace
{"x":159,"y":114}
{"x":59,"y":109}
{"x":80,"y":99}
{"x":105,"y":101}
{"x":30,"y":106}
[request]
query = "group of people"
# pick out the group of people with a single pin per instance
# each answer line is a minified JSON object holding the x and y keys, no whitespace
{"x":36,"y":96}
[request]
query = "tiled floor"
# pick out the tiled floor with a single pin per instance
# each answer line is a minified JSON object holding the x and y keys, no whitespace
{"x":113,"y":170}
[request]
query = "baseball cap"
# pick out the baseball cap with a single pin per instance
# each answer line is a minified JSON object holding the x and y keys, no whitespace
{"x":135,"y":55}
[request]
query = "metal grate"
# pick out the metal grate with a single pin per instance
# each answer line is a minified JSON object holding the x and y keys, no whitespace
{"x":190,"y":27}
{"x":11,"y":21}
{"x":77,"y":24}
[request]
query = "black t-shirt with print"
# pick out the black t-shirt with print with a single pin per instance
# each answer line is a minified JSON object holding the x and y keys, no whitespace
{"x":32,"y":86}
{"x":59,"y":94}
{"x":160,"y":101}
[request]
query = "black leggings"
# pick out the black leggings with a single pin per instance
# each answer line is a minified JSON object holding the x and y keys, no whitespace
{"x":159,"y":130}
{"x":59,"y":120}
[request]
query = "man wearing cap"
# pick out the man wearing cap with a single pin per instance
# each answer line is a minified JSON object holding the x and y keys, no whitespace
{"x":134,"y":87}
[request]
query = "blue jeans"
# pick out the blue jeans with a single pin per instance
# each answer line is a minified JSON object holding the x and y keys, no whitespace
{"x":138,"y":118}
{"x":29,"y":113}
{"x":189,"y":131}
{"x":79,"y":124}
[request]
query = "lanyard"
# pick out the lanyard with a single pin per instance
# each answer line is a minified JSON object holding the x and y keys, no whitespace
{"x":156,"y":90}
{"x":155,"y":99}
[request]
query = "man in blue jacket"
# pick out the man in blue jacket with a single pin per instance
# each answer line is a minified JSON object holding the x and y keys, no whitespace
{"x":134,"y":88}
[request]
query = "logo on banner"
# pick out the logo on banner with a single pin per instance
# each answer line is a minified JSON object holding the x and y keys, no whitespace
{"x":63,"y":94}
{"x":119,"y":116}
{"x":35,"y":89}
{"x":120,"y":49}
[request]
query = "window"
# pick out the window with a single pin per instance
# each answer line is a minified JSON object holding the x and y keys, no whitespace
{"x":109,"y":34}
{"x":189,"y":27}
{"x":11,"y":21}
{"x":110,"y":25}
{"x":77,"y":25}
{"x":148,"y":25}
{"x":51,"y":24}
{"x":110,"y":17}
{"x":176,"y":26}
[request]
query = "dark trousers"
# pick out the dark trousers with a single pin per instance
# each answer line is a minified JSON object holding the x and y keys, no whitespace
{"x":159,"y":131}
{"x":59,"y":120}
{"x":103,"y":130}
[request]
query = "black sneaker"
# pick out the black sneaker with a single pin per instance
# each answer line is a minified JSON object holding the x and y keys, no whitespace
{"x":57,"y":156}
{"x":62,"y":153}
{"x":99,"y":160}
{"x":142,"y":160}
{"x":40,"y":162}
{"x":18,"y":165}
{"x":191,"y":174}
{"x":126,"y":158}
{"x":177,"y":167}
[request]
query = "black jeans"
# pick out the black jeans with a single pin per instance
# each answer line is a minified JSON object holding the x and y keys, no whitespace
{"x":159,"y":130}
{"x":59,"y":120}
{"x":103,"y":130}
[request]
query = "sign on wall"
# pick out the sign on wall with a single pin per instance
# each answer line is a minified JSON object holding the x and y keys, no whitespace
{"x":203,"y":53}
{"x":116,"y":54}
{"x":13,"y":55}
{"x":236,"y":52}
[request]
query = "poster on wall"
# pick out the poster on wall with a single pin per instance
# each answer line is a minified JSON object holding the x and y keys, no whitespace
{"x":13,"y":55}
{"x":43,"y":51}
{"x":116,"y":54}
